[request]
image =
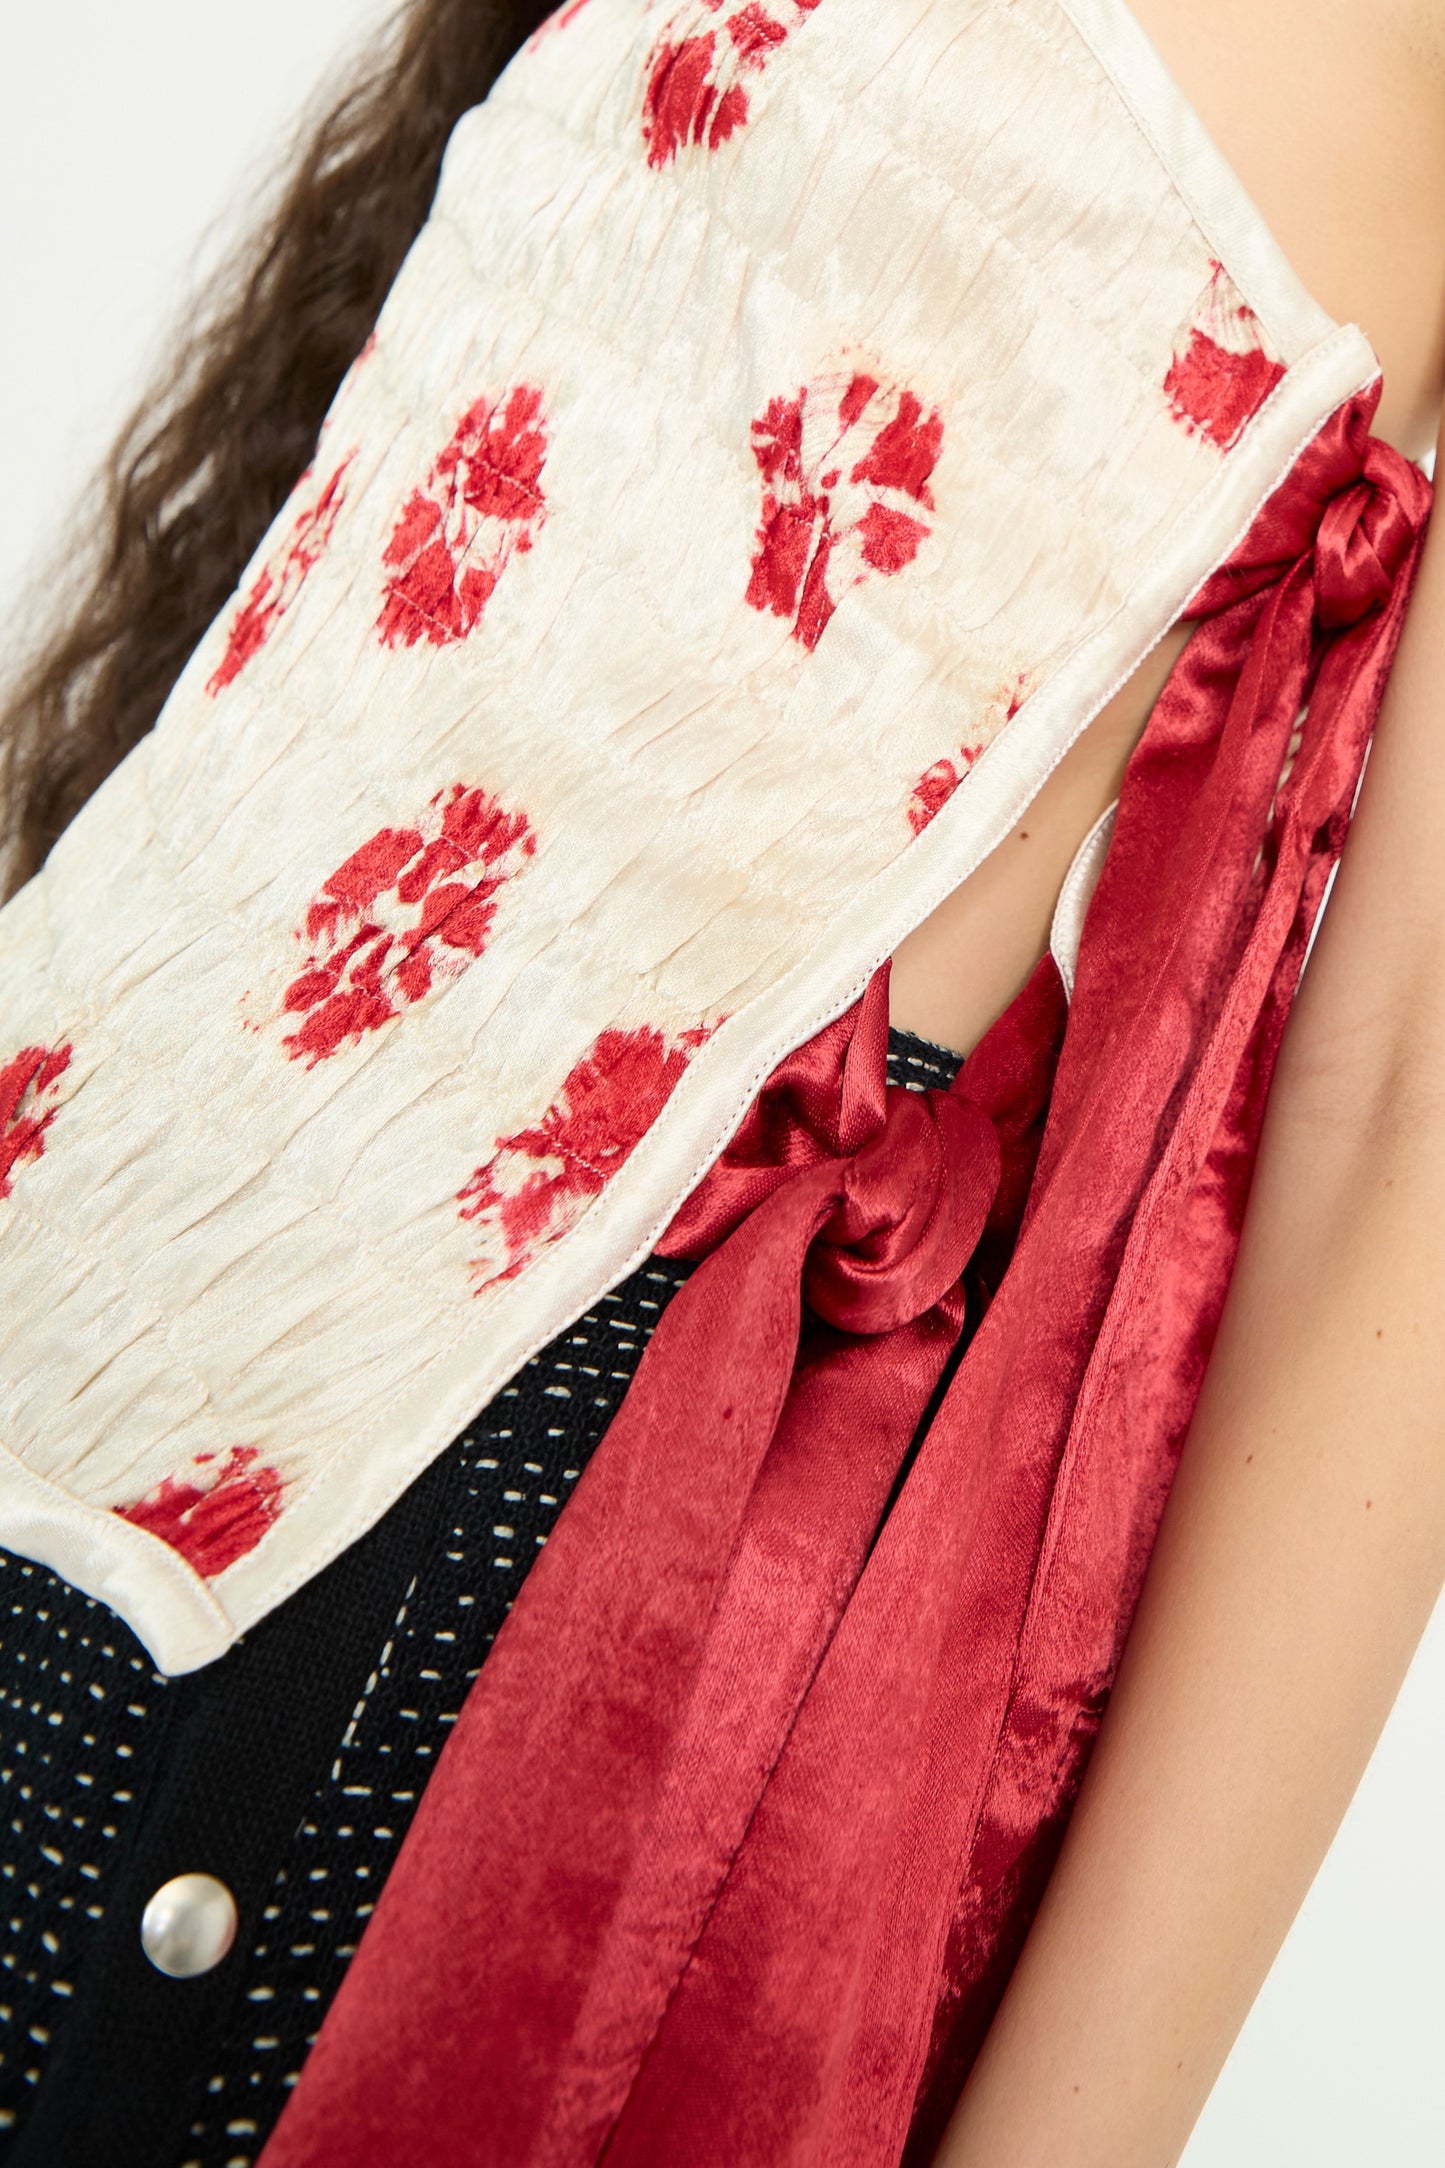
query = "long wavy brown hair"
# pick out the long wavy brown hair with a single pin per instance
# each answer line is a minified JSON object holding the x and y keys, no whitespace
{"x":210,"y":456}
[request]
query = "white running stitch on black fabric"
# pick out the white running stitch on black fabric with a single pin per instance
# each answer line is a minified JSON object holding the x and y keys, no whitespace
{"x":62,"y":1667}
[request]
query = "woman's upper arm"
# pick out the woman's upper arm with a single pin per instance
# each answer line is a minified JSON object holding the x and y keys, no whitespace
{"x":1366,"y":1042}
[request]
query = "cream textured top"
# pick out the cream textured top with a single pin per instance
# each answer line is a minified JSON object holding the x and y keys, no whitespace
{"x":787,"y":433}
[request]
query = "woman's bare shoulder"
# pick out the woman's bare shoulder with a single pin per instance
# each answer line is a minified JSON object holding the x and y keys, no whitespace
{"x":1332,"y":112}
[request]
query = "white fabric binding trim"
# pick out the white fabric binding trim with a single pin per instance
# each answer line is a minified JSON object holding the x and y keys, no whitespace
{"x":1067,"y":930}
{"x":1225,"y":211}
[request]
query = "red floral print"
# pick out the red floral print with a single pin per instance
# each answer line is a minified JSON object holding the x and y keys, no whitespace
{"x":1222,"y":371}
{"x":282,"y":577}
{"x":408,"y":911}
{"x":937,"y":784}
{"x":845,"y":468}
{"x":536,"y":1185}
{"x":479,"y":506}
{"x":27,"y":1105}
{"x":698,"y":68}
{"x":212,"y":1522}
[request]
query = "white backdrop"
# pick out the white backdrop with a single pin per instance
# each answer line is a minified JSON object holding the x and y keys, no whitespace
{"x":132,"y":140}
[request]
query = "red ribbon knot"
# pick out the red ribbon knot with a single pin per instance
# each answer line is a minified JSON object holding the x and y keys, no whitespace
{"x":1366,"y":532}
{"x":877,"y":1195}
{"x":719,"y":1532}
{"x":906,"y":1213}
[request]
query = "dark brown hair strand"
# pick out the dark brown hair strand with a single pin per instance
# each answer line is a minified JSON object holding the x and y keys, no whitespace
{"x":209,"y":458}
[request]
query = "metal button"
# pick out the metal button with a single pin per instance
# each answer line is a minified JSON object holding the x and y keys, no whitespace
{"x":189,"y":1925}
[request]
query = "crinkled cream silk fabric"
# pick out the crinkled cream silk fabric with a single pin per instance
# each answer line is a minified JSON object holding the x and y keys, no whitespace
{"x":775,"y":448}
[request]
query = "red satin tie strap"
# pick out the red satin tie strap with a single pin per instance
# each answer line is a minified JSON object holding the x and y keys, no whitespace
{"x":607,"y":1762}
{"x":960,"y":1694}
{"x":732,"y":1850}
{"x":1214,"y":878}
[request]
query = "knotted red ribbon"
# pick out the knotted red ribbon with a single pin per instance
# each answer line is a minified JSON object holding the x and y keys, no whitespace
{"x":735,"y":1843}
{"x":666,"y":1636}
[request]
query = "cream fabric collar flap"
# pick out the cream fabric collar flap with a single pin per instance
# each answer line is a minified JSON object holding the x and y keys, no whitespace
{"x":774,"y":450}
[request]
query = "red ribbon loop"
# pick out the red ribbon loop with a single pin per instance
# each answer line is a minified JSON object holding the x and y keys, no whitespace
{"x":1350,"y":511}
{"x":1365,"y":535}
{"x":911,"y":1206}
{"x":902,"y":1182}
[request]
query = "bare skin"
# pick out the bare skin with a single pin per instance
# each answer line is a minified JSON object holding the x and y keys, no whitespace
{"x":955,"y":972}
{"x":1332,"y":112}
{"x":1303,"y":1545}
{"x":1304,"y":1541}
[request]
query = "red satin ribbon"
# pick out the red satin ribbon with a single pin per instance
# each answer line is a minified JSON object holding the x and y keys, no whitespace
{"x":672,"y":1625}
{"x":734,"y":1845}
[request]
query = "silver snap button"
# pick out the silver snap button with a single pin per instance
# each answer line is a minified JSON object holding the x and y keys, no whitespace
{"x":189,"y":1925}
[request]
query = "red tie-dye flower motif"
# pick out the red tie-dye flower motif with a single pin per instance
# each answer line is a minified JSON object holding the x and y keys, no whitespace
{"x":845,"y":466}
{"x":282,"y":577}
{"x":697,"y":70}
{"x":1222,"y":371}
{"x":537,"y":1184}
{"x":481,"y":504}
{"x":408,"y":911}
{"x":28,"y":1084}
{"x":937,"y":784}
{"x":217,"y":1519}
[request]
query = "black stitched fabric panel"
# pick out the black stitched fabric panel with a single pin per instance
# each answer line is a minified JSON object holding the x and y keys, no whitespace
{"x":82,"y":1724}
{"x":512,"y":1473}
{"x":106,"y":1768}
